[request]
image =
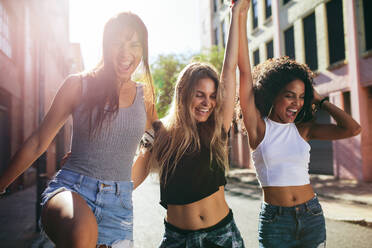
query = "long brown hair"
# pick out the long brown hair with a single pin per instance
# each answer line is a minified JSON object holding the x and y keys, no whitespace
{"x":101,"y":102}
{"x":181,"y":133}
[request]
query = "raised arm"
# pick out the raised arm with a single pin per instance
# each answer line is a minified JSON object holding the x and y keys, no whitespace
{"x":345,"y":126}
{"x":253,"y":122}
{"x":63,"y":104}
{"x":228,"y":74}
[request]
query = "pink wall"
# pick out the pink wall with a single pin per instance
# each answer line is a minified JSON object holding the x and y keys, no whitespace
{"x":20,"y":74}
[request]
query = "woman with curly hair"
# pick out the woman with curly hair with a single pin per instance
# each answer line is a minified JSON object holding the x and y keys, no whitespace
{"x":278,"y":116}
{"x":190,"y":153}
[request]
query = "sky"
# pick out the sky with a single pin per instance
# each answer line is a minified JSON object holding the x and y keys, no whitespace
{"x":173,"y":25}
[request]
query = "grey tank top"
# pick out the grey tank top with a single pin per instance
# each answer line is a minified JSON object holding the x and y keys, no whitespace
{"x":109,"y":154}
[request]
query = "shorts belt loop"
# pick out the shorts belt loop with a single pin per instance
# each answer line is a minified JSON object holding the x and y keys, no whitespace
{"x":80,"y":181}
{"x":280,"y":210}
{"x":117,"y":188}
{"x":98,"y":186}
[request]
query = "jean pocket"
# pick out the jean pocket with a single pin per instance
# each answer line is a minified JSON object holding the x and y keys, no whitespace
{"x":215,"y":243}
{"x":126,"y":200}
{"x":171,"y":240}
{"x":268,"y":215}
{"x":315,"y":210}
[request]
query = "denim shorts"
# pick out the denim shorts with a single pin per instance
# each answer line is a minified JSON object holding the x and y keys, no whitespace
{"x":299,"y":226}
{"x":110,"y":201}
{"x":223,"y":234}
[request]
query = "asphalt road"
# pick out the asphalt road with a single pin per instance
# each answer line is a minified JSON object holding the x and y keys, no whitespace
{"x":245,"y":203}
{"x":17,"y":219}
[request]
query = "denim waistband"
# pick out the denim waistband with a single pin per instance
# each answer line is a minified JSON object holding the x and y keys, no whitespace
{"x":226,"y":220}
{"x":80,"y":180}
{"x":297,"y":208}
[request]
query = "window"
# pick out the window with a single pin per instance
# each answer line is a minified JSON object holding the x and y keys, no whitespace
{"x":255,"y":14}
{"x":216,"y":36}
{"x":336,"y":40}
{"x":285,"y":1}
{"x":256,"y":57}
{"x":289,"y":43}
{"x":270,"y":49}
{"x":367,"y":8}
{"x":215,"y":6}
{"x":347,"y":102}
{"x":310,"y":42}
{"x":4,"y":32}
{"x":267,"y":9}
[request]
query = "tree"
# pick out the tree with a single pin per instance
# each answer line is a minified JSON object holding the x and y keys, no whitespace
{"x":213,"y":56}
{"x":165,"y":71}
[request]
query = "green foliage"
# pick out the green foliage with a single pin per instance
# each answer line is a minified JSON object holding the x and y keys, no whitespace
{"x":213,"y":56}
{"x":165,"y":70}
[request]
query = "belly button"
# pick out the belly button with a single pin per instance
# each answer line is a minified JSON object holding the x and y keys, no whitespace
{"x":201,"y":217}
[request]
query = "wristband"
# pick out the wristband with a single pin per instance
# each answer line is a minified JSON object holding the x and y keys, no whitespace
{"x":148,"y":139}
{"x":3,"y":192}
{"x":321,"y":102}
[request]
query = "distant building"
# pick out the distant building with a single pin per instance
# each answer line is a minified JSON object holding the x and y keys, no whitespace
{"x":77,"y":63}
{"x":215,"y":20}
{"x":34,"y":61}
{"x":334,"y":37}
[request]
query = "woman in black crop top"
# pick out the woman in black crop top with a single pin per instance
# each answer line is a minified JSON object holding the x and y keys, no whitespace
{"x":190,"y":152}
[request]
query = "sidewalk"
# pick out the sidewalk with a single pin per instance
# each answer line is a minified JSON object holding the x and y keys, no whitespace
{"x":18,"y":218}
{"x":344,"y":200}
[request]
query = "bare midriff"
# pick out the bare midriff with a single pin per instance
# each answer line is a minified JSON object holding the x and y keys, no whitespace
{"x":288,"y":196}
{"x":204,"y":213}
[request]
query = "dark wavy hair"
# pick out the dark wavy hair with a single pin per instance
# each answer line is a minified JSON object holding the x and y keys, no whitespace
{"x":271,"y":76}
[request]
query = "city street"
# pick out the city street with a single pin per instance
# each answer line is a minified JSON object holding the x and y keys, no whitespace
{"x":85,"y":78}
{"x":17,"y":219}
{"x":149,"y":215}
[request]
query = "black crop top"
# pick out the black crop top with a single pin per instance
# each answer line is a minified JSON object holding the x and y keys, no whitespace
{"x":193,"y":179}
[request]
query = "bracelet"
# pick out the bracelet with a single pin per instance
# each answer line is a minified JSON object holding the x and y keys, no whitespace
{"x":321,"y":102}
{"x":3,"y":192}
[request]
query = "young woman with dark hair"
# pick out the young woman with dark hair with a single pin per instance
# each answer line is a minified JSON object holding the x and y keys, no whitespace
{"x":190,"y":153}
{"x":89,"y":201}
{"x":277,"y":110}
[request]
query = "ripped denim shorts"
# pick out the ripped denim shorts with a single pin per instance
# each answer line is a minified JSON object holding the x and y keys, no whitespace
{"x":110,"y":201}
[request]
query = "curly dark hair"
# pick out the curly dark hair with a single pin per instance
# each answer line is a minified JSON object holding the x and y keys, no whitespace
{"x":271,"y":76}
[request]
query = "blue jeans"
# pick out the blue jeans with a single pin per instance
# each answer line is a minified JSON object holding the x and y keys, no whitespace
{"x":110,"y":201}
{"x":299,"y":226}
{"x":224,"y":234}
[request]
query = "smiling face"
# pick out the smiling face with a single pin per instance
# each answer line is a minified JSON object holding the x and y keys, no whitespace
{"x":126,"y":54}
{"x":204,"y":99}
{"x":289,"y":102}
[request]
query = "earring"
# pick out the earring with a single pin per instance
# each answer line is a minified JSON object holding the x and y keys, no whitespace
{"x":271,"y":109}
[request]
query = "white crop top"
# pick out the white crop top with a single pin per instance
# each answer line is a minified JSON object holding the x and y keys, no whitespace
{"x":282,"y":158}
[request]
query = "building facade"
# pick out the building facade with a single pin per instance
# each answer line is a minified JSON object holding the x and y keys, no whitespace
{"x":334,"y":38}
{"x":35,"y":57}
